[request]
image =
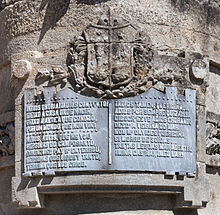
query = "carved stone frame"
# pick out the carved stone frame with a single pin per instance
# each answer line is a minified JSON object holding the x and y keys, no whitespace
{"x":29,"y":192}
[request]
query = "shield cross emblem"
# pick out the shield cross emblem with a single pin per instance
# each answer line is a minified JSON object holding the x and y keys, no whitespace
{"x":110,"y":52}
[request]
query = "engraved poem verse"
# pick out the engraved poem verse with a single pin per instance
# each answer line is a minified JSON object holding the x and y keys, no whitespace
{"x":70,"y":132}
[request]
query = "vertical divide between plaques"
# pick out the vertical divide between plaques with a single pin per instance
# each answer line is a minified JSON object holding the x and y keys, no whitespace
{"x":110,"y":133}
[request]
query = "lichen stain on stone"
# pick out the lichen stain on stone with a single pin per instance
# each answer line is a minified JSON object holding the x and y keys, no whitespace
{"x":209,"y":10}
{"x":212,"y":12}
{"x":181,"y":5}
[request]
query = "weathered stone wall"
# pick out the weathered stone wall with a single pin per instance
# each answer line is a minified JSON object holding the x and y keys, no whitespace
{"x":176,"y":27}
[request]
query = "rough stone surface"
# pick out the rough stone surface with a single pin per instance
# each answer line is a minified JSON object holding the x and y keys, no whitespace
{"x":213,"y":90}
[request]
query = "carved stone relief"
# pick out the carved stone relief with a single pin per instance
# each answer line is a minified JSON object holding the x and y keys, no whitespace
{"x":7,"y":139}
{"x":5,"y":3}
{"x":198,"y":70}
{"x":111,"y":59}
{"x":212,"y":138}
{"x":53,"y":76}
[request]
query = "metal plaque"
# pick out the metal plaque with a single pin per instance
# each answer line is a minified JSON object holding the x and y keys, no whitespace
{"x":66,"y":131}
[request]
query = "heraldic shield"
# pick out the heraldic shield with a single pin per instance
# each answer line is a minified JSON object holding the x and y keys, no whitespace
{"x":107,"y":57}
{"x":110,"y":68}
{"x":110,"y":52}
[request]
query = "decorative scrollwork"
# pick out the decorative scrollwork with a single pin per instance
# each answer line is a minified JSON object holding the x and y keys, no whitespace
{"x":7,"y":140}
{"x":212,"y":139}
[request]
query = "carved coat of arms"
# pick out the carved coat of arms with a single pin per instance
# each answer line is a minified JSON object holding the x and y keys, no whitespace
{"x":110,"y":59}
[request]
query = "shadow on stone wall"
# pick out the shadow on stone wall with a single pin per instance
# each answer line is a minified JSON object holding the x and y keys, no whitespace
{"x":185,"y":212}
{"x":55,"y":10}
{"x":79,"y":204}
{"x":212,"y":171}
{"x":6,"y":92}
{"x":90,"y":2}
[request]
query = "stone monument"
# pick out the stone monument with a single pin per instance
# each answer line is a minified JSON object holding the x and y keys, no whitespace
{"x":106,"y":104}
